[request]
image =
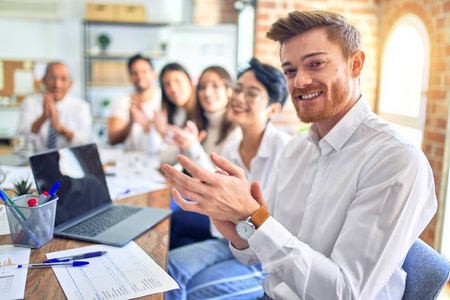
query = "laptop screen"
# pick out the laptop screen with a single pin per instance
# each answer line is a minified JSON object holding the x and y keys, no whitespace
{"x":83,"y":186}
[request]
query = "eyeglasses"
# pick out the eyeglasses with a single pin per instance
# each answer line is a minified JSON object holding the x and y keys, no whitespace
{"x":251,"y":94}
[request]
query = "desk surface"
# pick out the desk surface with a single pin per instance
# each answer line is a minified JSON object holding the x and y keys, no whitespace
{"x":154,"y":242}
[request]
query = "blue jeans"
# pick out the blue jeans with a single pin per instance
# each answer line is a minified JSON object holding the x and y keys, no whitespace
{"x":208,"y":270}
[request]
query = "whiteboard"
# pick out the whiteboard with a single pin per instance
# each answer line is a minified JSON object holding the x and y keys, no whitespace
{"x":198,"y":47}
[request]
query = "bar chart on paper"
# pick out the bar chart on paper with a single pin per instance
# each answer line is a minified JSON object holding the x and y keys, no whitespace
{"x":122,"y":273}
{"x":6,"y":278}
{"x":12,"y":280}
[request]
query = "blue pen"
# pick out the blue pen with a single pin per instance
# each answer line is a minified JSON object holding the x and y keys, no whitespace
{"x":20,"y":218}
{"x":76,"y":257}
{"x":72,"y":264}
{"x":53,"y":190}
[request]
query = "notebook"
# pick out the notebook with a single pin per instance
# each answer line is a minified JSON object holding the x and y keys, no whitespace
{"x":85,"y":210}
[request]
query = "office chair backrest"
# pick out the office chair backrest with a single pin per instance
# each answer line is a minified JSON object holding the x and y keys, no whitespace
{"x":427,"y":272}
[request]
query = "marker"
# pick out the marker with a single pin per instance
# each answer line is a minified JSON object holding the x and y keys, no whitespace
{"x":76,"y":257}
{"x":42,"y":198}
{"x":53,"y":190}
{"x":36,"y":266}
{"x":21,"y":219}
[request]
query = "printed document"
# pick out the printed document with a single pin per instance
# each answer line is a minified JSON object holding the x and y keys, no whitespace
{"x":13,"y":280}
{"x":123,"y":273}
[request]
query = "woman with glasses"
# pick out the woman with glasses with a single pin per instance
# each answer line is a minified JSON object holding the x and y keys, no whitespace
{"x":207,"y":269}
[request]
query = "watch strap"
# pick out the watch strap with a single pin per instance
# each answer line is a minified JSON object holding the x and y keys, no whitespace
{"x":259,"y":217}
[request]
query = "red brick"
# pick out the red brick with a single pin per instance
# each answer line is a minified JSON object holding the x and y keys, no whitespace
{"x":436,"y":137}
{"x":439,"y":152}
{"x":368,"y":11}
{"x":266,"y":4}
{"x":441,"y":123}
{"x":437,"y":66}
{"x":436,"y":9}
{"x":262,"y":16}
{"x":262,"y":28}
{"x":446,"y":6}
{"x":447,"y":80}
{"x":436,"y":94}
{"x":435,"y":78}
{"x":298,"y":6}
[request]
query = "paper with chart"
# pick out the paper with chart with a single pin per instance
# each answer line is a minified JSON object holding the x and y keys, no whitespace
{"x":122,"y":273}
{"x":13,"y":280}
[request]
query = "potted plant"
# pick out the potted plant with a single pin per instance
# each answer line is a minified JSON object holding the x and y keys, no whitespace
{"x":103,"y":40}
{"x":22,"y":187}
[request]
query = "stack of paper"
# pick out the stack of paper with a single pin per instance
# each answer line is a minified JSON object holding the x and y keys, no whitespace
{"x":122,"y":273}
{"x":134,"y":173}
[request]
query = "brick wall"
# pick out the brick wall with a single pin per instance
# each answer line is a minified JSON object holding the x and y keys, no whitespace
{"x":211,"y":12}
{"x":436,"y":17}
{"x":374,"y":19}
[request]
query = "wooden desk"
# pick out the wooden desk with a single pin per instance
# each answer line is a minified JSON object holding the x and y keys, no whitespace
{"x":42,"y":283}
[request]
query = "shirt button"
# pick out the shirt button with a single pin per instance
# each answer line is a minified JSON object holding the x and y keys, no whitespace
{"x":257,"y":249}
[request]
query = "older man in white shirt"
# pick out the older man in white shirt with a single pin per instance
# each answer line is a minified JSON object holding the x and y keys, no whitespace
{"x":349,"y":197}
{"x":54,"y":119}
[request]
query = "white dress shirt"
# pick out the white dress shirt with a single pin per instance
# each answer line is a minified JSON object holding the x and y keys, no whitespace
{"x":199,"y":153}
{"x":137,"y":139}
{"x":73,"y":113}
{"x":345,"y":210}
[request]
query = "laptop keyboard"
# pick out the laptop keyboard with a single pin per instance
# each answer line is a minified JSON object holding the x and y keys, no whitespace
{"x":99,"y":223}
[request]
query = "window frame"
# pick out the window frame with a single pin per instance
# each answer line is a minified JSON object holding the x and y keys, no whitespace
{"x":407,"y":121}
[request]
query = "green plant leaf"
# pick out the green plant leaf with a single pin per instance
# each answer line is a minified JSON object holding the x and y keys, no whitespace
{"x":22,"y":187}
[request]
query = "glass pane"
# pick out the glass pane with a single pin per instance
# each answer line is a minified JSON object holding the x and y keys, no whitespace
{"x":403,"y":63}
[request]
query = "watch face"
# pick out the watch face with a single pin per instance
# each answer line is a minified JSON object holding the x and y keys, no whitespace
{"x":245,"y":229}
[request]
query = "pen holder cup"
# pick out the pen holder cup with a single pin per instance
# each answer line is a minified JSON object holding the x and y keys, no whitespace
{"x":31,"y":227}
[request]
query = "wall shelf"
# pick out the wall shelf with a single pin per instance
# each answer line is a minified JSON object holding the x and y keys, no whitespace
{"x":106,"y":72}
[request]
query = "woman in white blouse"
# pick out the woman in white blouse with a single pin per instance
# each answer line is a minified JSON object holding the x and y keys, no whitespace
{"x":207,"y":269}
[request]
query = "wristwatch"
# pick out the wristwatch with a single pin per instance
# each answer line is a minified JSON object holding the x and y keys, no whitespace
{"x":245,"y":228}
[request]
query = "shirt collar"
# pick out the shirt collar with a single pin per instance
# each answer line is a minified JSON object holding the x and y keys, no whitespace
{"x":60,"y":102}
{"x":265,"y":149}
{"x":344,"y":129}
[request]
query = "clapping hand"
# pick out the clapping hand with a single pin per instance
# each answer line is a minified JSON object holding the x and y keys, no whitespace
{"x":50,"y":111}
{"x":137,"y":114}
{"x":48,"y":103}
{"x":184,"y":138}
{"x":160,"y":122}
{"x":225,"y":197}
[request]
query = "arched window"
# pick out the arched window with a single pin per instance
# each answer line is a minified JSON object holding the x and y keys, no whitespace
{"x":404,"y":77}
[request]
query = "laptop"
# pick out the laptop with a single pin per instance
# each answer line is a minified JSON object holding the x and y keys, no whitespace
{"x":85,"y":210}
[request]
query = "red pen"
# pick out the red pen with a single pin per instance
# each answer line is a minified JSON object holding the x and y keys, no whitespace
{"x":42,"y":198}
